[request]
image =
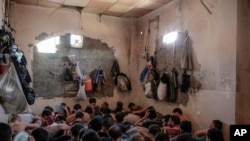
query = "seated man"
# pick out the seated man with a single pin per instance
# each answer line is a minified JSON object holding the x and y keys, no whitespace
{"x":90,"y":135}
{"x":105,"y":112}
{"x":96,"y":124}
{"x":148,"y":119}
{"x":95,"y":108}
{"x":17,"y":125}
{"x":136,"y":109}
{"x":215,"y":124}
{"x":153,"y":130}
{"x":115,"y":133}
{"x":136,"y":137}
{"x":119,"y":107}
{"x":56,"y":128}
{"x":78,"y":108}
{"x":174,"y":127}
{"x":162,"y":137}
{"x":165,"y":121}
{"x":106,"y":106}
{"x":40,"y":134}
{"x":186,"y":130}
{"x":75,"y":131}
{"x":178,"y":112}
{"x":63,"y":109}
{"x":214,"y":134}
{"x":119,"y":117}
{"x":201,"y":134}
{"x":6,"y":132}
{"x":48,"y":117}
{"x":60,"y":119}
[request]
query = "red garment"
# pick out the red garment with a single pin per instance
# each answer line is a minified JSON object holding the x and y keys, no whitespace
{"x":172,"y":131}
{"x":48,"y":121}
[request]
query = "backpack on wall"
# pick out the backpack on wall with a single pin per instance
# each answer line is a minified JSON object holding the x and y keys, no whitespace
{"x":123,"y":82}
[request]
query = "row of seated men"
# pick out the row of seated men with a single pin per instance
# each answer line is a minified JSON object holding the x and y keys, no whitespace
{"x":101,"y":123}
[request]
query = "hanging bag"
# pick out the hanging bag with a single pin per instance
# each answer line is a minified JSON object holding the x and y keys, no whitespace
{"x":162,"y":91}
{"x":81,"y":94}
{"x":67,"y":75}
{"x":13,"y":98}
{"x":148,"y":90}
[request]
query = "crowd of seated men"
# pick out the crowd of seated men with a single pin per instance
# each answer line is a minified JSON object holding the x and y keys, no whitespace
{"x":102,"y":123}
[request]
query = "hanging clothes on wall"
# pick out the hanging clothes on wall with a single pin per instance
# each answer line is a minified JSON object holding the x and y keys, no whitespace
{"x":20,"y":63}
{"x":186,"y":64}
{"x":143,"y":74}
{"x":115,"y":70}
{"x":186,"y":56}
{"x":173,"y":86}
{"x":99,"y":79}
{"x":185,"y":84}
{"x":8,"y":46}
{"x":150,"y":84}
{"x":162,"y":89}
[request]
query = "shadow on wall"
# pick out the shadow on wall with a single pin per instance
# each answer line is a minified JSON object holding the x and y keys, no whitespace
{"x":49,"y":68}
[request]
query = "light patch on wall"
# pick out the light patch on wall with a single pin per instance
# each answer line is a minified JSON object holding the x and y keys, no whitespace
{"x":170,"y":37}
{"x":76,"y":41}
{"x":48,"y":45}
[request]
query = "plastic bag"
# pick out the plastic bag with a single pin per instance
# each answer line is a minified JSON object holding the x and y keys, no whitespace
{"x":81,"y":94}
{"x":148,"y":90}
{"x":11,"y":92}
{"x":77,"y":75}
{"x":162,"y":91}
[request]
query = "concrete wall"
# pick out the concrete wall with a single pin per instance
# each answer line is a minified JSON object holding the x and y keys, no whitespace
{"x":214,"y":47}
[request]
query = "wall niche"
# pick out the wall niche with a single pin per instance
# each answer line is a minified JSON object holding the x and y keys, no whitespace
{"x":49,"y":68}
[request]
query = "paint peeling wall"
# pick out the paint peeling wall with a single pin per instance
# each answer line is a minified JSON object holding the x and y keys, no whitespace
{"x":29,"y":22}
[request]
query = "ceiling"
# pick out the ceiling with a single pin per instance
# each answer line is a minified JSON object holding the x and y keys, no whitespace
{"x":118,"y":8}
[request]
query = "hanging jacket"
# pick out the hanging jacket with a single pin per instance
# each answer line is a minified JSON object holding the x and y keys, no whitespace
{"x":186,"y":56}
{"x":24,"y":77}
{"x":172,"y":91}
{"x":99,"y":77}
{"x":115,"y":68}
{"x":143,"y":74}
{"x":185,"y":82}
